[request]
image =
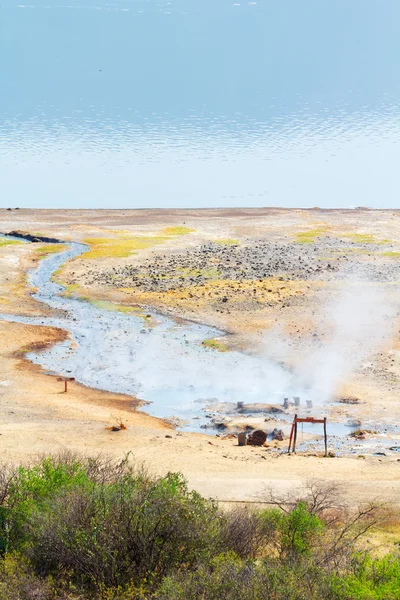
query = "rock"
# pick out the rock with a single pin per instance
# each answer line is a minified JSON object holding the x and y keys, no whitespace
{"x":169,"y":436}
{"x":257,"y":438}
{"x":221,"y":426}
{"x":33,"y":238}
{"x":277,"y":434}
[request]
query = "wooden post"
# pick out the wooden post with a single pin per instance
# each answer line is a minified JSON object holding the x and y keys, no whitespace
{"x":325,"y":438}
{"x":295,"y":434}
{"x":65,"y":380}
{"x":290,"y":437}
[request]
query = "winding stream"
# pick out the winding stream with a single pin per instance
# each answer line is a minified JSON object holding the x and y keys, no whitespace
{"x":159,"y":361}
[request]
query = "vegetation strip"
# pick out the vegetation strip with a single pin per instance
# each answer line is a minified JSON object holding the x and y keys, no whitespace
{"x":76,"y":528}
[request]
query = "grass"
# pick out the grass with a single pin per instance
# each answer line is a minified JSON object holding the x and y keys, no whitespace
{"x":208,"y":273}
{"x":124,"y":244}
{"x":364,"y":238}
{"x":391,"y":254}
{"x":120,"y":247}
{"x":227,"y":242}
{"x":308,"y":237}
{"x":123,"y":308}
{"x":177,"y":230}
{"x":49,"y":249}
{"x":215,"y":345}
{"x":4,"y":242}
{"x":56,"y":276}
{"x":71,"y":291}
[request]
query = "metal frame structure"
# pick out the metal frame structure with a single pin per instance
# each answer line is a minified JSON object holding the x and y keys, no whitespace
{"x":293,"y":432}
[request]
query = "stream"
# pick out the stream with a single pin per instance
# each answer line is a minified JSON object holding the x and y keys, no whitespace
{"x":155,"y":359}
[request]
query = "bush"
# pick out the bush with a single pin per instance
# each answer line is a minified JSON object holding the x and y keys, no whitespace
{"x":230,"y":578}
{"x":74,"y":528}
{"x":18,"y":582}
{"x":377,"y":579}
{"x":131,"y":530}
{"x":247,"y":533}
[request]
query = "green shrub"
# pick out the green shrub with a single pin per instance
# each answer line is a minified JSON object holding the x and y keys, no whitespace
{"x":18,"y":582}
{"x":248,"y":533}
{"x":228,"y":577}
{"x":27,"y":491}
{"x":298,"y":530}
{"x":372,"y":579}
{"x":132,"y":530}
{"x":75,"y":528}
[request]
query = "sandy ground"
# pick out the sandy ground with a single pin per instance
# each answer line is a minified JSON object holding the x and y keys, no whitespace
{"x":37,"y":418}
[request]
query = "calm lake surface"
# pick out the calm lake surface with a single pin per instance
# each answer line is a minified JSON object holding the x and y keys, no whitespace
{"x":156,"y":103}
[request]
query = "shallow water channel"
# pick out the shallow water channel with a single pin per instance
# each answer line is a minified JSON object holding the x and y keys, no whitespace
{"x":154,"y":359}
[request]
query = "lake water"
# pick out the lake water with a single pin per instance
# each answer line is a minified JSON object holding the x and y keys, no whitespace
{"x":156,"y":103}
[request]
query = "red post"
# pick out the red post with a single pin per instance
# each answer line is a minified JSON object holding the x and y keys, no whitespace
{"x":290,"y":438}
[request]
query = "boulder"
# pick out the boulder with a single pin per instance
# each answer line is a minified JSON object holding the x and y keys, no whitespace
{"x":257,"y":438}
{"x":277,"y":434}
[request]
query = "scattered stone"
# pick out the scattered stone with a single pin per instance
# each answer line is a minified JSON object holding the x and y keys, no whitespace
{"x":349,"y":400}
{"x":257,"y":438}
{"x":229,"y":436}
{"x":221,"y":426}
{"x":277,"y":434}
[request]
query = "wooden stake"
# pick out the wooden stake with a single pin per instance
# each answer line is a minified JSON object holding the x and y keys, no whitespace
{"x":325,"y":439}
{"x":65,"y":380}
{"x":290,"y":437}
{"x":295,"y":434}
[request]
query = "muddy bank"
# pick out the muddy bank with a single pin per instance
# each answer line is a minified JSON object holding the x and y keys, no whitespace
{"x":29,"y":237}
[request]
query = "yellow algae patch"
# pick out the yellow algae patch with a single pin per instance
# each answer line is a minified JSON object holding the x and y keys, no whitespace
{"x":120,"y":247}
{"x":363,"y":238}
{"x":123,"y":308}
{"x":227,"y":242}
{"x":308,"y":237}
{"x":56,"y":276}
{"x":72,"y":291}
{"x":393,"y":254}
{"x":209,"y":273}
{"x":124,"y":244}
{"x":49,"y":249}
{"x":215,"y":345}
{"x":17,"y":290}
{"x":100,"y":230}
{"x":177,"y":230}
{"x":5,"y":242}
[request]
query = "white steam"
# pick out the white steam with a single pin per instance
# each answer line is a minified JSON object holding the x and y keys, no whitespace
{"x":352,"y":328}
